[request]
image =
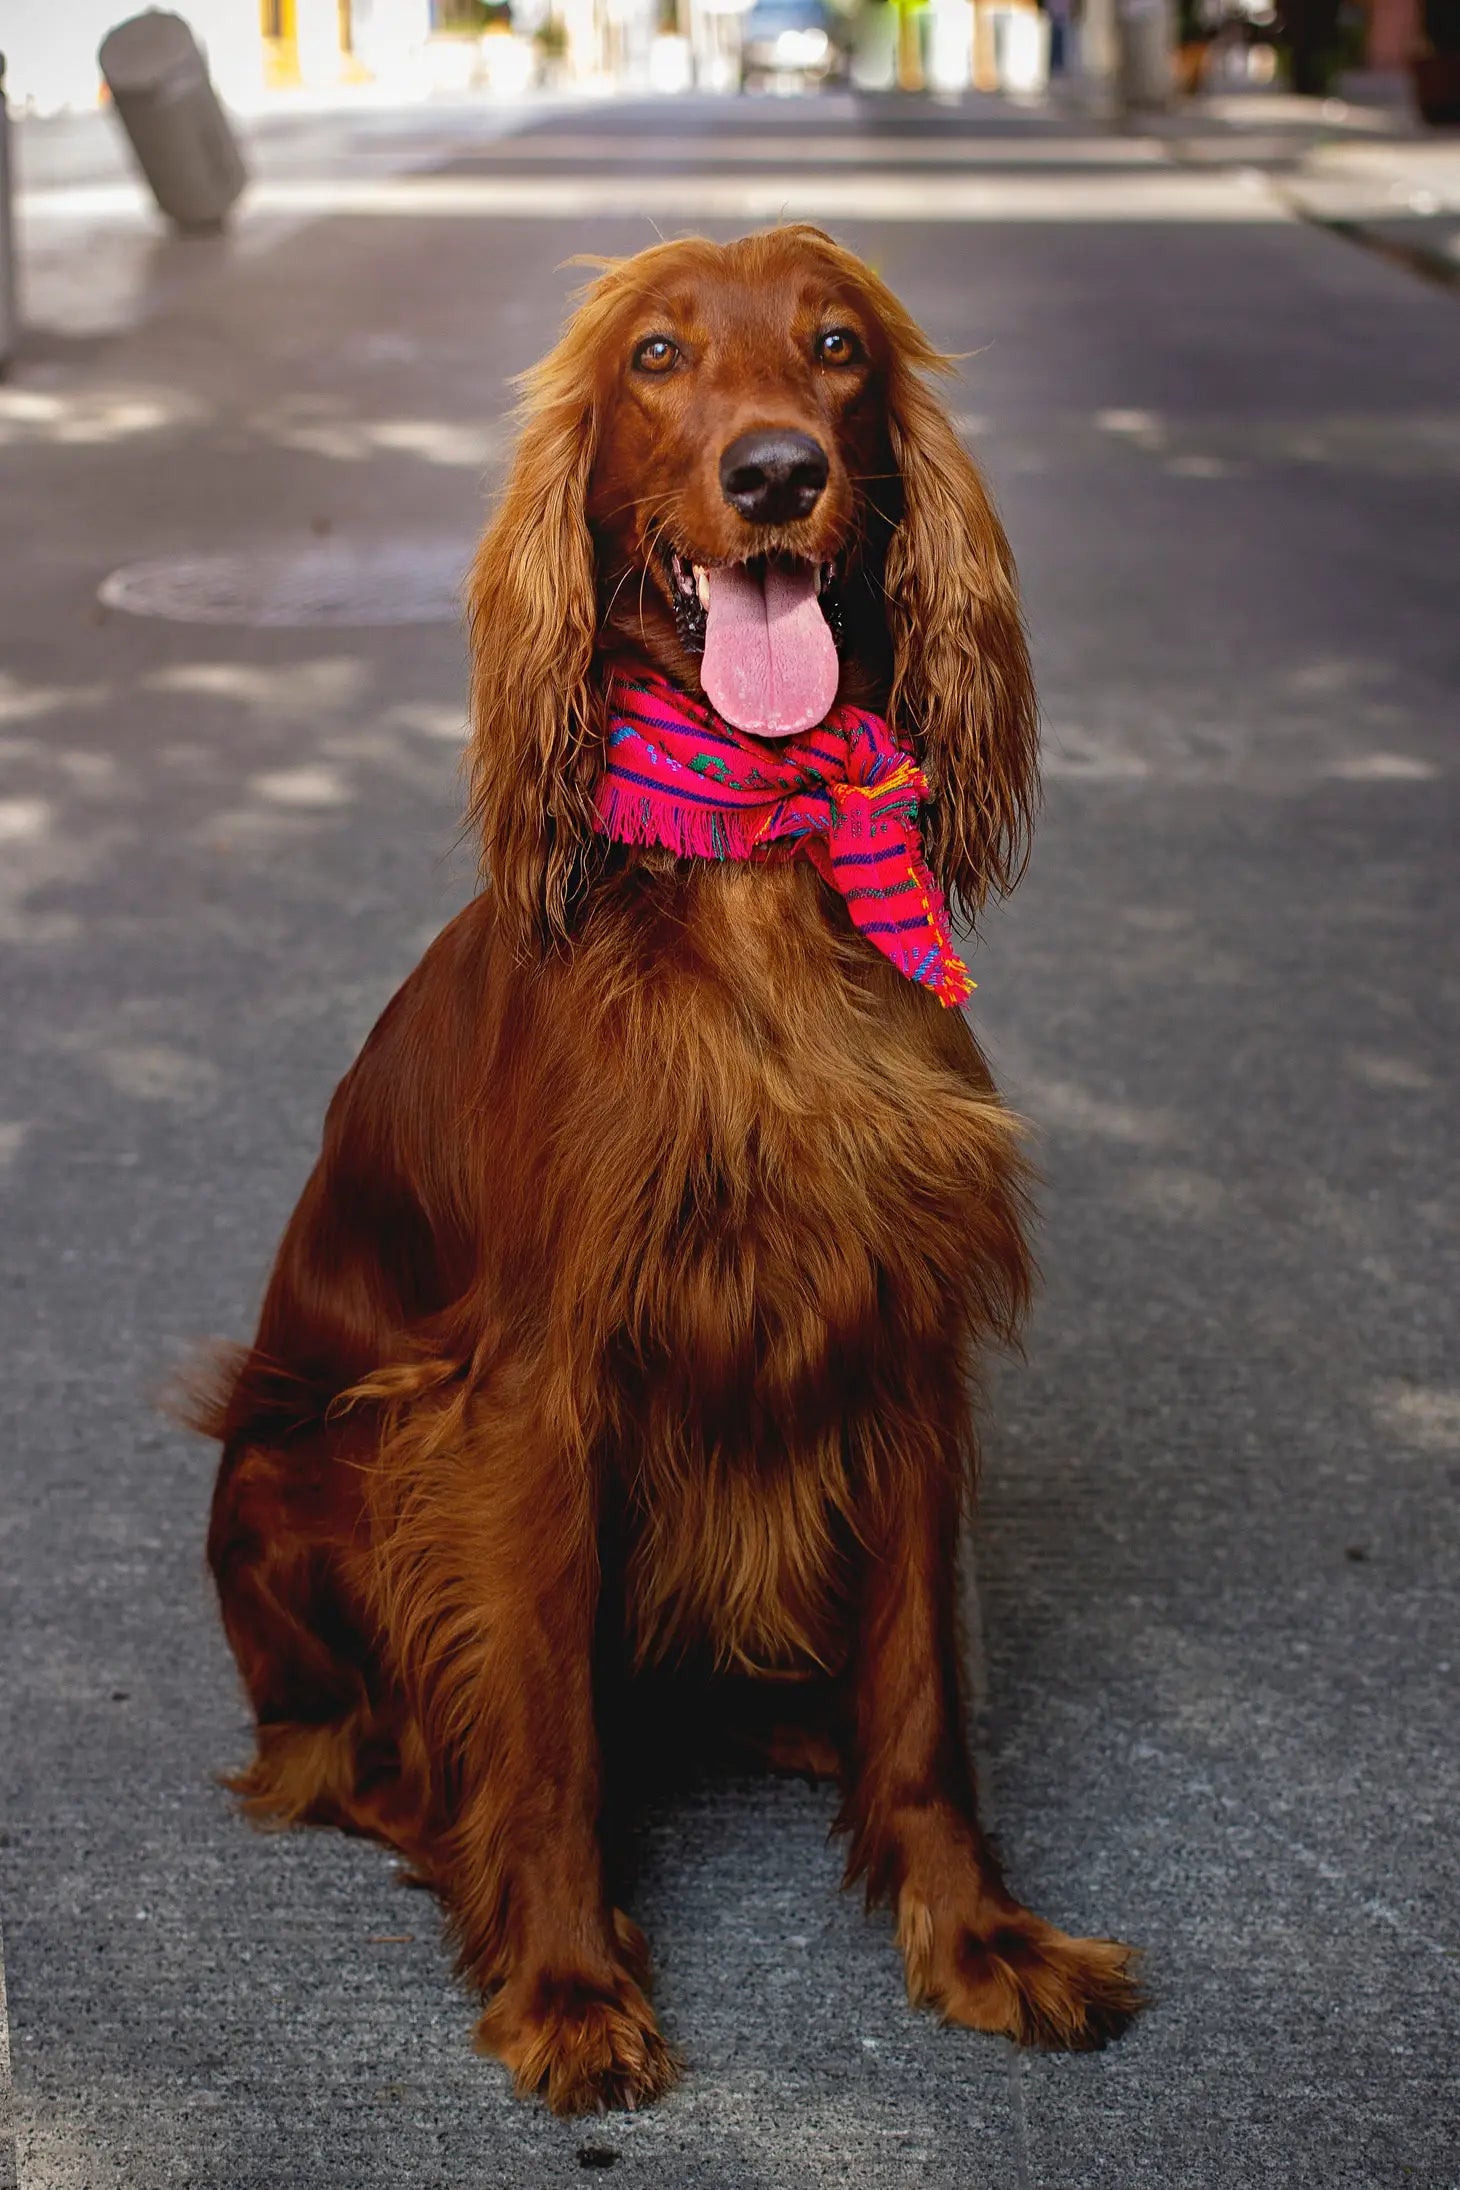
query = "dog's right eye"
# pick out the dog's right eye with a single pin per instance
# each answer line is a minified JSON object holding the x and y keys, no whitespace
{"x":657,"y":355}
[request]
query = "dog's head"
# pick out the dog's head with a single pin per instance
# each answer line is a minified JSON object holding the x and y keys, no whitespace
{"x":732,"y":466}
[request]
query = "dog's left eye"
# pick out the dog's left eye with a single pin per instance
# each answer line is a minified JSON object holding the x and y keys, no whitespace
{"x":838,"y":346}
{"x":657,"y":355}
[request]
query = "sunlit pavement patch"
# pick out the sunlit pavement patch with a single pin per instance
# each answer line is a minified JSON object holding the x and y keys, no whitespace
{"x":395,"y":582}
{"x":1165,"y":194}
{"x":90,"y":416}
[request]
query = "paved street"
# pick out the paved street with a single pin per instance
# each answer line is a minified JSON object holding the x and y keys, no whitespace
{"x":1217,"y":1648}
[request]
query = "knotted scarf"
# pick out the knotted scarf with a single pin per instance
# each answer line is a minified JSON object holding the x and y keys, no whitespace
{"x":846,"y":794}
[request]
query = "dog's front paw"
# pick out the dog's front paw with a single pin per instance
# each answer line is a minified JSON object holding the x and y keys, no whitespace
{"x":583,"y":2043}
{"x":1012,"y":1973}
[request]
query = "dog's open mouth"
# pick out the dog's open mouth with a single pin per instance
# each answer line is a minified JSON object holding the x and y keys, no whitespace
{"x":767,"y":633}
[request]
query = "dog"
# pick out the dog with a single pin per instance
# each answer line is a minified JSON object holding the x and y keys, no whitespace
{"x":623,"y":1333}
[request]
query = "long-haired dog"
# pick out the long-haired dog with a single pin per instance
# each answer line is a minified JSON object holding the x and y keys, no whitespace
{"x":625,"y":1324}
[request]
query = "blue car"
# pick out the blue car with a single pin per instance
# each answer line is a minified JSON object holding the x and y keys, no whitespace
{"x":786,"y":42}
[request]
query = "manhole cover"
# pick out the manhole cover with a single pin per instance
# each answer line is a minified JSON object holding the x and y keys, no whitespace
{"x":399,"y":582}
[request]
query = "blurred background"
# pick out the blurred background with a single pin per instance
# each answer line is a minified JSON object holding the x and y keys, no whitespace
{"x":1197,"y":270}
{"x":259,"y":49}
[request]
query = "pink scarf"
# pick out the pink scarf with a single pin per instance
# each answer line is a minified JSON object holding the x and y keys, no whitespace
{"x":845,"y":793}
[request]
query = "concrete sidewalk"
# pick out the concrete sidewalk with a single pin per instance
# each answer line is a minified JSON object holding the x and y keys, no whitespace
{"x":1362,"y":165}
{"x":1217,"y":1567}
{"x":1403,"y":196}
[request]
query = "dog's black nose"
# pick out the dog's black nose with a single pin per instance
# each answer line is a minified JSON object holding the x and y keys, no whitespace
{"x":773,"y":475}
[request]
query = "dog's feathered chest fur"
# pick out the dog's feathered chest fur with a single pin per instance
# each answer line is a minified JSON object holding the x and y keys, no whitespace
{"x":716,"y":1198}
{"x":742,"y":1162}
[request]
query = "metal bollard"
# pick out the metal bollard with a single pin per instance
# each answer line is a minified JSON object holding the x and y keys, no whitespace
{"x":9,"y":311}
{"x":178,"y":132}
{"x":1145,"y":39}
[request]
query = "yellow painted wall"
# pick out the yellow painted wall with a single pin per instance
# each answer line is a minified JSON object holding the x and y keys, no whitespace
{"x":281,"y":47}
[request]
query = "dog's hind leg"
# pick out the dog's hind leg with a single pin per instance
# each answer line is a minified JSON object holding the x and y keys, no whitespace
{"x":796,"y":1727}
{"x":328,"y":1750}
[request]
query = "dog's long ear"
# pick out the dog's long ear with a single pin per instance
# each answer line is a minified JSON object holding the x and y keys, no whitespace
{"x":962,"y":687}
{"x":536,"y":732}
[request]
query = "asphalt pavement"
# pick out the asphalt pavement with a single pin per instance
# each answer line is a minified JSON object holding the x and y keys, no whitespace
{"x":1217,"y":1647}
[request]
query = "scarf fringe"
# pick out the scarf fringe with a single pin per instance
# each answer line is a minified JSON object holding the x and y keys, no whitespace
{"x":686,"y":831}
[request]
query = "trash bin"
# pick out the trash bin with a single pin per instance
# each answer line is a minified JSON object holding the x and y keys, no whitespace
{"x":9,"y":313}
{"x":179,"y":133}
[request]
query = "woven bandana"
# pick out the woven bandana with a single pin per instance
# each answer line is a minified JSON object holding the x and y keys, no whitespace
{"x":846,"y":794}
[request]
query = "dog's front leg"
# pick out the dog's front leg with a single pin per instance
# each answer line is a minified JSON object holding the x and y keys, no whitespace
{"x":502,"y":1593}
{"x":971,"y":1951}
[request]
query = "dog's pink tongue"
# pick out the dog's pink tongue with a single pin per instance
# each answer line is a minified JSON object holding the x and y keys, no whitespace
{"x":770,"y":661}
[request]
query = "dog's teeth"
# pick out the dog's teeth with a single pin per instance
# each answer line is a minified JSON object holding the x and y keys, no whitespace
{"x":702,"y":586}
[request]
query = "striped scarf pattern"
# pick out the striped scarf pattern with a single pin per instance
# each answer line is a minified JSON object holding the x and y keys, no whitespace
{"x":846,"y":794}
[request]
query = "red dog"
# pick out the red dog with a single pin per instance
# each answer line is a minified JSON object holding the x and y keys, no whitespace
{"x":625,"y":1322}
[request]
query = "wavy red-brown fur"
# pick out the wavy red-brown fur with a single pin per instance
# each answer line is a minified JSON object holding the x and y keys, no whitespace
{"x":627,"y":1318}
